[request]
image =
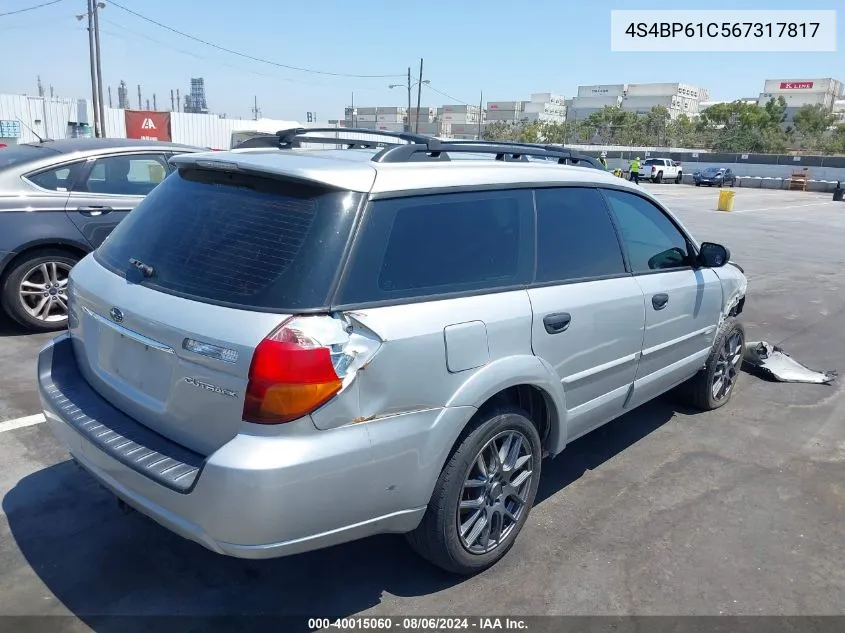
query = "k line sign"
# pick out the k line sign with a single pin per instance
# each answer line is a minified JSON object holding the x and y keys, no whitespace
{"x":796,"y":85}
{"x":148,"y":125}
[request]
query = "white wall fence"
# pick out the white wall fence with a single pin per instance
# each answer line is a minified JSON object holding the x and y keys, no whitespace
{"x":58,"y":118}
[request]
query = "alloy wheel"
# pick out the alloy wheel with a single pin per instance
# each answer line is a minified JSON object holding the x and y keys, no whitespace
{"x":43,"y":291}
{"x":727,"y":367}
{"x":494,"y":494}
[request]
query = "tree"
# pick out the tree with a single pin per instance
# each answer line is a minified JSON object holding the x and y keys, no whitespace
{"x":811,"y":122}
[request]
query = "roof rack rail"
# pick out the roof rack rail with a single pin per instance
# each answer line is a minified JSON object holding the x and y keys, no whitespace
{"x":552,"y":151}
{"x":296,"y":136}
{"x":401,"y":147}
{"x":436,"y":149}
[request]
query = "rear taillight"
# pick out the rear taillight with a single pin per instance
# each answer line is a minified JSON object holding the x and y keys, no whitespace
{"x":303,"y":364}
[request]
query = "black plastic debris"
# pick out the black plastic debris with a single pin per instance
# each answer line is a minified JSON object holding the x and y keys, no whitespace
{"x":772,"y":362}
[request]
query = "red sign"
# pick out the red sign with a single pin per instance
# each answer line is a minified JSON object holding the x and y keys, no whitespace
{"x":148,"y":125}
{"x":796,"y":85}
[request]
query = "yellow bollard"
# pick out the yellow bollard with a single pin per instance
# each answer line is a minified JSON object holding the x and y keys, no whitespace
{"x":726,"y":200}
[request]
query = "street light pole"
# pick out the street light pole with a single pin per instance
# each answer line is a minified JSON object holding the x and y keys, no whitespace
{"x":95,"y":5}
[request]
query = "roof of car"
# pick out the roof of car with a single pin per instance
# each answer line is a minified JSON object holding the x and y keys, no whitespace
{"x":70,"y":145}
{"x":354,"y":169}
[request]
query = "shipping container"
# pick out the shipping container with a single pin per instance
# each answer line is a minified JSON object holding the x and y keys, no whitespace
{"x":505,"y":105}
{"x":597,"y":103}
{"x":798,"y":98}
{"x":652,"y":90}
{"x":390,"y":118}
{"x":367,"y":110}
{"x":803,"y":85}
{"x":602,"y":90}
{"x":547,"y":97}
{"x":457,"y":108}
{"x":361,"y":118}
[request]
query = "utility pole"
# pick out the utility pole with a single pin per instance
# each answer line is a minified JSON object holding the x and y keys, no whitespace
{"x":94,"y":5}
{"x":178,"y":101}
{"x":148,"y":104}
{"x":256,"y":112}
{"x":155,"y":106}
{"x":51,"y":92}
{"x":40,"y":87}
{"x":419,"y":98}
{"x":354,"y":117}
{"x":93,"y":60}
{"x":140,"y":105}
{"x":110,"y":102}
{"x":408,"y":127}
{"x":172,"y":105}
{"x":480,"y":113}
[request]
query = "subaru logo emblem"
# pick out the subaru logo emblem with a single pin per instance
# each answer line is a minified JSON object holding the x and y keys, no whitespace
{"x":116,"y":315}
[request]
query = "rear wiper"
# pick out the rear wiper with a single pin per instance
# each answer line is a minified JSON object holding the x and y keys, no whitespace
{"x":146,"y":269}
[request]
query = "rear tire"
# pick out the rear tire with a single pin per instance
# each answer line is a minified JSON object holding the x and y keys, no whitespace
{"x":476,"y":498}
{"x":659,"y":178}
{"x":725,"y":360}
{"x":28,"y":287}
{"x":679,"y":179}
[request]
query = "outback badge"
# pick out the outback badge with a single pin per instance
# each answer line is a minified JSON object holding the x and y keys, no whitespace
{"x":213,"y":388}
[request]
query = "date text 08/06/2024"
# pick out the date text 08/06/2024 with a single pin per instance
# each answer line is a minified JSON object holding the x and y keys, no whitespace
{"x":418,"y":624}
{"x":723,"y":29}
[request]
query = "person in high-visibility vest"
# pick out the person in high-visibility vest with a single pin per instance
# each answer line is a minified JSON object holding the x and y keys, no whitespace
{"x":603,"y":159}
{"x":635,"y":170}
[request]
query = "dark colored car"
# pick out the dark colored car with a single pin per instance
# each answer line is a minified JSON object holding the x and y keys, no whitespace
{"x":58,"y":201}
{"x":718,"y":176}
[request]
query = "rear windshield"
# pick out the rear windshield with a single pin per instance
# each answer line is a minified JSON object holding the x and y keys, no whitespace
{"x":653,"y":161}
{"x":245,"y":241}
{"x":21,"y":154}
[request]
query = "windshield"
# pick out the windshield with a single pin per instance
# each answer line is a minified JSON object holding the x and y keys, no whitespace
{"x":244,"y":241}
{"x":712,"y":170}
{"x":20,"y":154}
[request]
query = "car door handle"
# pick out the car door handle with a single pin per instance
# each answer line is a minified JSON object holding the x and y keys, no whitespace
{"x":94,"y":211}
{"x":660,"y":301}
{"x":557,"y":323}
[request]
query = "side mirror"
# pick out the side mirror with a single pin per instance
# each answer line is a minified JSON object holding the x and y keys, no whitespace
{"x":712,"y":255}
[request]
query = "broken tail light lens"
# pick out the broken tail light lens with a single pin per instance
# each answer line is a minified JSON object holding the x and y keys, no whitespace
{"x":303,"y":364}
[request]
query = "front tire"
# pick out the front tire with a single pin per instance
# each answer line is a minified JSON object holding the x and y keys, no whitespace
{"x":483,"y":495}
{"x":679,"y":179}
{"x":35,"y":291}
{"x":713,"y":386}
{"x":659,"y":178}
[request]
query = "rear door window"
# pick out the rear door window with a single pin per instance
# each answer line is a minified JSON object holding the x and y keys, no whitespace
{"x":245,"y":241}
{"x":129,"y":175}
{"x":441,"y":244}
{"x":56,"y":179}
{"x":575,"y":236}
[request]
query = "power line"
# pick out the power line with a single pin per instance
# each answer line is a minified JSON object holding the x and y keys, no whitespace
{"x":197,"y":56}
{"x":33,"y":8}
{"x":245,"y":55}
{"x":448,"y":96}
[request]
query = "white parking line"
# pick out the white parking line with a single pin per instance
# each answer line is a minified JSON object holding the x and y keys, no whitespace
{"x":19,"y":423}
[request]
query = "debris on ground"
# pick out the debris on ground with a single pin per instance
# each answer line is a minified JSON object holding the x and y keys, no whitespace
{"x":772,"y":362}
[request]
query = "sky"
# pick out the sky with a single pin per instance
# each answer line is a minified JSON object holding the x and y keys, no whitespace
{"x":499,"y":48}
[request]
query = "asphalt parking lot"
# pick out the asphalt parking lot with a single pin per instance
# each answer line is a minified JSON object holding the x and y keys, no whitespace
{"x":665,"y":511}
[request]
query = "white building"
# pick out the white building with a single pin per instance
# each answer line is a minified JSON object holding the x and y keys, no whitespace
{"x":801,"y":92}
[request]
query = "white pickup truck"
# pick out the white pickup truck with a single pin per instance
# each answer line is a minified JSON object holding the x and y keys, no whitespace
{"x":660,"y":169}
